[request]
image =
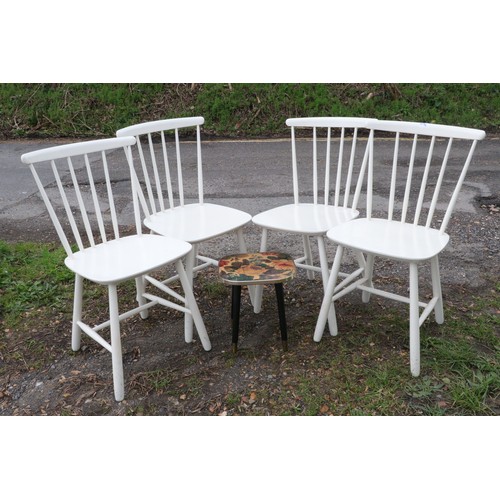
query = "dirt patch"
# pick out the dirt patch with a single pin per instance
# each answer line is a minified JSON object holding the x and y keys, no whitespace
{"x":164,"y":375}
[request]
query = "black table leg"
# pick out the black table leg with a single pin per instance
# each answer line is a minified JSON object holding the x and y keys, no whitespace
{"x":235,"y":313}
{"x":281,"y":312}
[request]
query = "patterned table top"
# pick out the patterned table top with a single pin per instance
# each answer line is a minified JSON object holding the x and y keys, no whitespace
{"x":256,"y":268}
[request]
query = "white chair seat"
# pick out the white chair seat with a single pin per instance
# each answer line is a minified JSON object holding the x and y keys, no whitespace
{"x":304,"y":218}
{"x":393,"y":239}
{"x":125,"y":258}
{"x":197,"y":222}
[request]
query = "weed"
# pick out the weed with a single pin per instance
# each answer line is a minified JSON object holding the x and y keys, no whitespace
{"x":214,"y":289}
{"x":470,"y":393}
{"x":423,"y":387}
{"x":159,"y":380}
{"x":233,"y":399}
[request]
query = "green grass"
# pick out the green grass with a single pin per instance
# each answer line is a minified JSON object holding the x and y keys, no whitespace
{"x":362,"y":371}
{"x":32,"y":276}
{"x":235,"y":110}
{"x":365,"y":371}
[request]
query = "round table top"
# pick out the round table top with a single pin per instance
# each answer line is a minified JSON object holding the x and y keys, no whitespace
{"x":257,"y":268}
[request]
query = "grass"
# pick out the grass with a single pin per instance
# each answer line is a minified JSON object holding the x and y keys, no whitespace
{"x":32,"y":276}
{"x":235,"y":110}
{"x":364,"y":371}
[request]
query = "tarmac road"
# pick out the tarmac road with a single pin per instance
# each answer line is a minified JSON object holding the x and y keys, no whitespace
{"x":252,"y":176}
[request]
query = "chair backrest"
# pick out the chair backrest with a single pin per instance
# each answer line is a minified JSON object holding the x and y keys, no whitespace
{"x":81,"y":204}
{"x":335,"y":153}
{"x":166,"y":186}
{"x":428,"y":164}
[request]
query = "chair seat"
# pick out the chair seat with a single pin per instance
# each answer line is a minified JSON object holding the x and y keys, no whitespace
{"x":125,"y":258}
{"x":391,"y":239}
{"x":197,"y":222}
{"x":304,"y":218}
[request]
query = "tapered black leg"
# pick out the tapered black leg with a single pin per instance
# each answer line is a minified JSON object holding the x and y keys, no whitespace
{"x":281,"y":313}
{"x":235,"y":313}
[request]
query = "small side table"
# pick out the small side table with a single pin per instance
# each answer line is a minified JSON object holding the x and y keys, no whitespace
{"x":262,"y":268}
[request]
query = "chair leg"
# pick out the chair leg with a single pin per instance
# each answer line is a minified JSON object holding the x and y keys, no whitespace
{"x":323,"y":260}
{"x":193,"y":307}
{"x":436,"y":290}
{"x":308,"y":255}
{"x":280,"y":297}
{"x":414,"y":321}
{"x":141,"y":287}
{"x":370,"y":259}
{"x":243,"y":249}
{"x":235,"y":314}
{"x":258,"y":289}
{"x":188,"y":318}
{"x":76,"y":333}
{"x":327,"y":305}
{"x":116,"y":345}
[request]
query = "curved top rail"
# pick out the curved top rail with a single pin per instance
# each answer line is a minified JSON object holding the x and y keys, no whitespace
{"x":78,"y":148}
{"x":430,"y":129}
{"x":329,"y":121}
{"x":159,"y":125}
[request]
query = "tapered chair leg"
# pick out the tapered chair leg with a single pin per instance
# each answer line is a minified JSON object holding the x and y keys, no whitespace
{"x":141,"y":288}
{"x":370,"y":259}
{"x":76,"y":332}
{"x":414,"y":322}
{"x":323,"y":260}
{"x":235,"y":317}
{"x":308,"y":255}
{"x":243,"y":249}
{"x":327,"y":305}
{"x":436,"y":290}
{"x":258,"y":289}
{"x":188,"y":318}
{"x":116,"y":344}
{"x":280,"y":297}
{"x":193,"y":307}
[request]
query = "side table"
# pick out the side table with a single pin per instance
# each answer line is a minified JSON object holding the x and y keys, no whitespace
{"x":261,"y":268}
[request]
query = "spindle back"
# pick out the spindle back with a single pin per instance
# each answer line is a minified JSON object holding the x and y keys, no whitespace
{"x":330,"y":163}
{"x":426,"y":164}
{"x":80,"y":198}
{"x":161,"y":160}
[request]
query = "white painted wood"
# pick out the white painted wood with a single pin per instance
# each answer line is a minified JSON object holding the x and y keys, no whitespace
{"x":191,"y":222}
{"x":432,"y":146}
{"x":340,"y":168}
{"x":107,"y":258}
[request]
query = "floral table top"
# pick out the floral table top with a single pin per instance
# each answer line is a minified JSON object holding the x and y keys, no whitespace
{"x":256,"y":268}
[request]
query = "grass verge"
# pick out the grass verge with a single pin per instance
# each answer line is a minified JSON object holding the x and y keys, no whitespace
{"x":363,"y":371}
{"x":235,"y":110}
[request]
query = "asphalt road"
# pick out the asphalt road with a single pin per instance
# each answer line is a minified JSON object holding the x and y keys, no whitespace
{"x":252,"y":176}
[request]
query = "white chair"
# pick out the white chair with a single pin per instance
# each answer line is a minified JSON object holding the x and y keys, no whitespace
{"x":164,"y":190}
{"x":424,"y":170}
{"x":81,"y":206}
{"x":343,"y":162}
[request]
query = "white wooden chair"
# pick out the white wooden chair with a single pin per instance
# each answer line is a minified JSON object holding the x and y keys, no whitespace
{"x":334,"y":201}
{"x":164,"y":190}
{"x":426,"y":166}
{"x":81,"y":206}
